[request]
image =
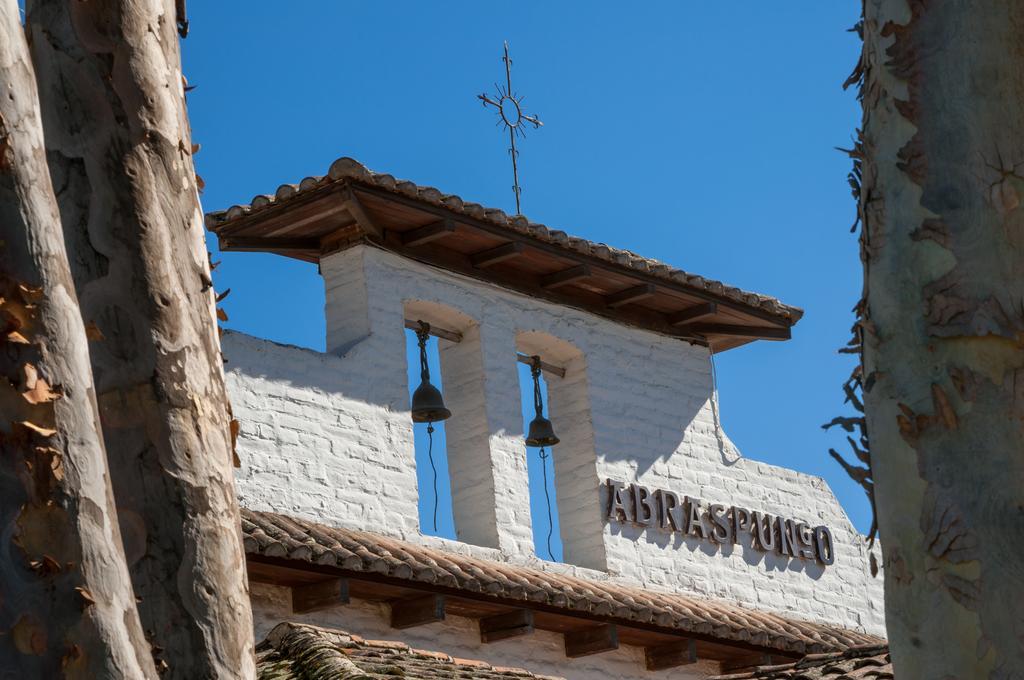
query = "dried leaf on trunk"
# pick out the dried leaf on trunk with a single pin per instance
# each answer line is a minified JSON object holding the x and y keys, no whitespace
{"x":36,"y":389}
{"x":93,"y":332}
{"x":45,"y":566}
{"x":223,"y":295}
{"x":41,"y":431}
{"x":87,"y":598}
{"x":221,"y":314}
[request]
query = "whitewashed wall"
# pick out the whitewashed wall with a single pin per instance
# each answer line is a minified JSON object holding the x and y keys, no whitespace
{"x":328,"y":437}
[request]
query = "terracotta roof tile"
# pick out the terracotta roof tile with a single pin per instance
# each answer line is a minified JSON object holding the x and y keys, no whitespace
{"x":864,"y":662}
{"x":348,"y":169}
{"x":295,"y":651}
{"x":274,"y":535}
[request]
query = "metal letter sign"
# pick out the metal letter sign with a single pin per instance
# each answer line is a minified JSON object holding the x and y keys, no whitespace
{"x":717,"y":523}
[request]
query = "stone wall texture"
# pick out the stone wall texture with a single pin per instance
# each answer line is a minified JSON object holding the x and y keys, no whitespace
{"x":327,"y":436}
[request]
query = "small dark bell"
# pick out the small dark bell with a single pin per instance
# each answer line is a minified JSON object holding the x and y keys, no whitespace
{"x":428,"y":405}
{"x":541,"y":433}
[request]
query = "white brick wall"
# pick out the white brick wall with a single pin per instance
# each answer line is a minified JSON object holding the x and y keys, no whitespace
{"x":328,"y":437}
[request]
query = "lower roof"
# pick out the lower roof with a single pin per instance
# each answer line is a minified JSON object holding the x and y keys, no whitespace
{"x":294,"y":651}
{"x":279,"y":541}
{"x":870,"y":662}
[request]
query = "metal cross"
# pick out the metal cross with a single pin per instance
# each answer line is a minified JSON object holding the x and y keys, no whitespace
{"x":510,"y":114}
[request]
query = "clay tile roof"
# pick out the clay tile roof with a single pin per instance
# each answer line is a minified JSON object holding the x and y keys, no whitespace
{"x":272,"y":535}
{"x":295,"y":651}
{"x":866,"y":662}
{"x":351,"y":170}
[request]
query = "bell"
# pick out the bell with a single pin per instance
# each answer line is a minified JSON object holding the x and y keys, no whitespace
{"x":541,"y":433}
{"x":428,"y":404}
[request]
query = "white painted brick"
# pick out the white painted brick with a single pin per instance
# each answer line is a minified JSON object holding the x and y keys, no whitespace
{"x":321,"y":430}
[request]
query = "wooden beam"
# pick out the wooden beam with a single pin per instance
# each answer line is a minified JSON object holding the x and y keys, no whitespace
{"x":602,"y":638}
{"x":493,"y":256}
{"x":671,"y":655}
{"x":311,"y":597}
{"x":260,"y":244}
{"x":691,"y":314}
{"x":417,"y":611}
{"x":451,"y":336}
{"x":544,"y":366}
{"x":508,"y":625}
{"x":564,"y":277}
{"x":630,"y":295}
{"x":762,"y":332}
{"x":355,"y":209}
{"x":431,"y":232}
{"x":746,"y":662}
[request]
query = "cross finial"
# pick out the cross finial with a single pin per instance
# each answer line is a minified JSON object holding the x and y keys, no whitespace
{"x":510,"y":114}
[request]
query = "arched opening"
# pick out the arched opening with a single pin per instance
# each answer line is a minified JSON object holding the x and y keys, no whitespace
{"x":457,"y":463}
{"x":563,"y":478}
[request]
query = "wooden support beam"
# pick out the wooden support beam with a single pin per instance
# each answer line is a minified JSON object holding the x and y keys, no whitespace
{"x":436,"y":331}
{"x":564,"y":277}
{"x":261,"y":244}
{"x":671,"y":655}
{"x":417,"y":611}
{"x":602,"y":638}
{"x":311,"y":597}
{"x":355,"y":209}
{"x":544,"y":366}
{"x":630,"y":295}
{"x":493,"y":256}
{"x":691,"y":314}
{"x":431,"y":232}
{"x":508,"y":625}
{"x":746,"y":662}
{"x":762,"y":332}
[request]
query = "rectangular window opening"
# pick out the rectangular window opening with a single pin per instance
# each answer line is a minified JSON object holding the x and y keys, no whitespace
{"x":547,"y":537}
{"x":432,"y":480}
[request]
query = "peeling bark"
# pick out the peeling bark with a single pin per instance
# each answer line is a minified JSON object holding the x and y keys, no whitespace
{"x":68,"y":609}
{"x":943,"y":328}
{"x":120,"y":156}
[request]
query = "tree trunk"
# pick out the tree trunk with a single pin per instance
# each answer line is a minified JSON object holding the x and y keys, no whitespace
{"x":119,"y":149}
{"x":943,"y":328}
{"x":68,"y":606}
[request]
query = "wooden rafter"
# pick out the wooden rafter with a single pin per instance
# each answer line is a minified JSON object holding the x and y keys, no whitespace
{"x":492,"y":256}
{"x":760,"y":332}
{"x":319,"y":595}
{"x":511,"y":624}
{"x":630,"y":295}
{"x":260,"y":244}
{"x":692,"y":314}
{"x":431,"y":232}
{"x":565,"y":277}
{"x":417,"y":611}
{"x":671,"y":655}
{"x":601,"y":638}
{"x":358,"y":213}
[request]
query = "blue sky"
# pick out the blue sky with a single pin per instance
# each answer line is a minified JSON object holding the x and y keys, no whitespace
{"x":698,"y":133}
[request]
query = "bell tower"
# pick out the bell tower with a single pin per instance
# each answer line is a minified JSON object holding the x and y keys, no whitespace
{"x":624,"y":344}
